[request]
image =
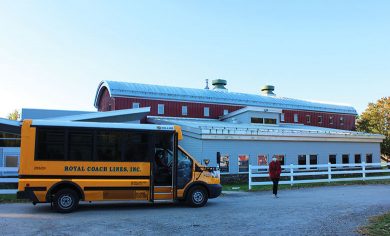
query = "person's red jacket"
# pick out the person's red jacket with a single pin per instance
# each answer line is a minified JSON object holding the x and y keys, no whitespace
{"x":274,"y":170}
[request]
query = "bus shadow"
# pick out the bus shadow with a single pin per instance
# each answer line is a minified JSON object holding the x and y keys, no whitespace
{"x":121,"y":206}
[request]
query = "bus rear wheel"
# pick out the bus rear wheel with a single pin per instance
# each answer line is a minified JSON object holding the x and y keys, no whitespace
{"x":66,"y":200}
{"x":197,"y":197}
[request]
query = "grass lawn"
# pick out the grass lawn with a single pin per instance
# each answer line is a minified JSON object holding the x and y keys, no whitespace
{"x":10,"y":198}
{"x":378,"y":225}
{"x":244,"y":187}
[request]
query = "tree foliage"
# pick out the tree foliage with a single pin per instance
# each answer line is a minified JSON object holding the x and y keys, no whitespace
{"x":15,"y":115}
{"x":375,"y":119}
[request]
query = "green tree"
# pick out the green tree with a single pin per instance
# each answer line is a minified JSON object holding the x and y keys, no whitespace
{"x":15,"y":115}
{"x":375,"y":119}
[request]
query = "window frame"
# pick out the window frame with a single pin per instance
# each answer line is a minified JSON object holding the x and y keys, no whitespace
{"x":184,"y":110}
{"x":206,"y":111}
{"x":136,"y":105}
{"x":360,"y":156}
{"x":320,"y":119}
{"x":342,"y":158}
{"x":335,"y":158}
{"x":238,"y":163}
{"x":316,"y":156}
{"x":369,"y":154}
{"x":331,"y":120}
{"x":308,"y":119}
{"x":341,"y":120}
{"x":303,"y":157}
{"x":262,"y":156}
{"x":296,"y":118}
{"x":160,"y":109}
{"x":227,"y":161}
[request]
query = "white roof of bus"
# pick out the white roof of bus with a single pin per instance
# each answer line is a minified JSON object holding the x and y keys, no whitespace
{"x":52,"y":123}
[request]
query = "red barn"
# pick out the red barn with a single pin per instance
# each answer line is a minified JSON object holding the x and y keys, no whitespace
{"x":214,"y":103}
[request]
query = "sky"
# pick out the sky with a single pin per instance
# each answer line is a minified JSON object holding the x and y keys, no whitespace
{"x":53,"y":54}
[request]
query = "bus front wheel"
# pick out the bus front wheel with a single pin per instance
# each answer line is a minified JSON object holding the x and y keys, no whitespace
{"x":65,"y":200}
{"x":197,"y":197}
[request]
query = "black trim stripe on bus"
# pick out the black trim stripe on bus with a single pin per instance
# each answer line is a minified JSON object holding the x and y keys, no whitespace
{"x":80,"y":177}
{"x":35,"y":188}
{"x":114,"y":188}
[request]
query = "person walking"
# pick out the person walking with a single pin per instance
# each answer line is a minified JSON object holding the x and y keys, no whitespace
{"x":274,"y":174}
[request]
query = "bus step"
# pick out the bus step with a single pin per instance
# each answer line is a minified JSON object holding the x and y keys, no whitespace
{"x":163,"y":201}
{"x":163,"y":189}
{"x":163,"y":196}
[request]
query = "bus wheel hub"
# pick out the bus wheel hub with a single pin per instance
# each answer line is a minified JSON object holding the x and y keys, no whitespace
{"x":66,"y":201}
{"x":198,"y":197}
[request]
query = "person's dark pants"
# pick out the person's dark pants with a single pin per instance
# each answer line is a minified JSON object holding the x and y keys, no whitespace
{"x":275,"y":186}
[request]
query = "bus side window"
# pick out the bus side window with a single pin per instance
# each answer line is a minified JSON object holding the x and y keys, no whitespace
{"x":50,"y":145}
{"x":108,"y":146}
{"x":80,"y":145}
{"x":137,"y":147}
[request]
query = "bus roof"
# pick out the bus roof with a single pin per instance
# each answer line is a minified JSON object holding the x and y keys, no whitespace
{"x":80,"y":124}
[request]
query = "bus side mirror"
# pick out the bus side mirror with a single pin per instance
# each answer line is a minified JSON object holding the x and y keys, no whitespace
{"x":218,"y":158}
{"x":206,"y":161}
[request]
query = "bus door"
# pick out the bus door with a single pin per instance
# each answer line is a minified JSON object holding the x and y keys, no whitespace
{"x":164,"y":167}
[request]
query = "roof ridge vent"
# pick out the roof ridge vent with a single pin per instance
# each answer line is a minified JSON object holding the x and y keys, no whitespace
{"x":268,"y":90}
{"x":219,"y":85}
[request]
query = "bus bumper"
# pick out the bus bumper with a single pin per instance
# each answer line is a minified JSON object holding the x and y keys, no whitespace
{"x":214,"y":190}
{"x":27,"y":194}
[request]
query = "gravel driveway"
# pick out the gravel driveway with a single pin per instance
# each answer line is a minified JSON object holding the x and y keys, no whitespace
{"x":337,"y":210}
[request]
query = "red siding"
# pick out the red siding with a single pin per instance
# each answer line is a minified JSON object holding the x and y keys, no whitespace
{"x":106,"y":103}
{"x":195,"y":110}
{"x":173,"y":108}
{"x":349,"y":120}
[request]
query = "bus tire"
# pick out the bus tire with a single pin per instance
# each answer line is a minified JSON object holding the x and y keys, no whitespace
{"x":197,"y":196}
{"x":66,"y":200}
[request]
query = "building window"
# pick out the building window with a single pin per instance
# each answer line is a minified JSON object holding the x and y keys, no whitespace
{"x":184,"y":110}
{"x":296,"y":118}
{"x":160,"y":109}
{"x":225,"y":112}
{"x":302,"y":160}
{"x":341,"y":120}
{"x":224,"y":163}
{"x":320,"y":119}
{"x":206,"y":111}
{"x":262,"y":160}
{"x":331,"y":120}
{"x":11,"y":161}
{"x":270,"y":121}
{"x":345,"y":158}
{"x":313,"y":161}
{"x":358,"y":158}
{"x":135,"y":105}
{"x":369,"y":158}
{"x":308,"y":119}
{"x":257,"y":120}
{"x":243,"y":163}
{"x":282,"y":117}
{"x":332,"y":159}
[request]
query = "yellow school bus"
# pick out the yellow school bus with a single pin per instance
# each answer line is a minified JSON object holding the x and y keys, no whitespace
{"x":63,"y":162}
